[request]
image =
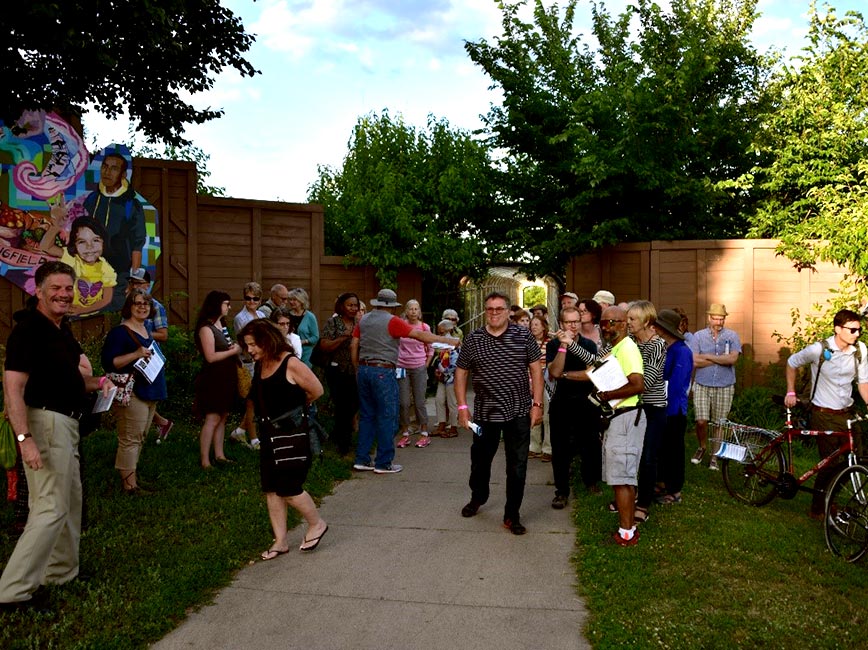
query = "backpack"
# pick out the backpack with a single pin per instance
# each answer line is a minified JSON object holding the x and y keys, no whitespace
{"x":827,"y":354}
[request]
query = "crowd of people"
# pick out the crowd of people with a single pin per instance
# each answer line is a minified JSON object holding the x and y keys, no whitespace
{"x":607,"y":382}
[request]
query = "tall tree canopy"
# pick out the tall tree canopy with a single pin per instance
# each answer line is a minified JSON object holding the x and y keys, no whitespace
{"x":409,"y":197}
{"x":628,"y":138}
{"x":145,"y":56}
{"x":815,"y":139}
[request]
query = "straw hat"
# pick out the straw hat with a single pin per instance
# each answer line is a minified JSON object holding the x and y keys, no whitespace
{"x":717,"y":309}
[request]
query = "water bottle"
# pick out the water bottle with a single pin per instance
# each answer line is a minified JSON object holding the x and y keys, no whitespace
{"x":726,"y":347}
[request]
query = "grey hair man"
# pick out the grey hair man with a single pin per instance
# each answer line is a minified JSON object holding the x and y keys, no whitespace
{"x":45,"y":380}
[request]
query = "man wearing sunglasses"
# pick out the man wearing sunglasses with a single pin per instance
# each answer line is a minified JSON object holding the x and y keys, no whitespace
{"x":836,"y":363}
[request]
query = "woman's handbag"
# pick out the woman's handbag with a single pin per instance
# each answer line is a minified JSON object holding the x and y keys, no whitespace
{"x":290,"y":438}
{"x":125,"y":382}
{"x":319,"y":357}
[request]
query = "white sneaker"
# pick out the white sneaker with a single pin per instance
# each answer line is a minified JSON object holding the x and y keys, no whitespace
{"x":393,"y":468}
{"x":239,"y":435}
{"x":254,"y":444}
{"x":712,"y":464}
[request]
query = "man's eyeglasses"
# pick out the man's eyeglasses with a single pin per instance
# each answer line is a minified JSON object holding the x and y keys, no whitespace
{"x":251,"y":299}
{"x":495,"y":310}
{"x":852,"y":330}
{"x":611,"y":321}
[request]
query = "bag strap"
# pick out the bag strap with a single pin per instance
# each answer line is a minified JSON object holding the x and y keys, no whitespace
{"x":827,"y":353}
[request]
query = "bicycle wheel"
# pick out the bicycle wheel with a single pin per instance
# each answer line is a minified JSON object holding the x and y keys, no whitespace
{"x":755,"y":481}
{"x":846,"y":522}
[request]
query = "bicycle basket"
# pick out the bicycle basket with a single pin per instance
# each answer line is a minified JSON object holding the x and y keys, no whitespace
{"x":740,"y":442}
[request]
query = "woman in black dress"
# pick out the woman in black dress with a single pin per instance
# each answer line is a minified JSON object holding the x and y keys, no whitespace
{"x":217,"y":383}
{"x":337,"y":333}
{"x":282,"y":384}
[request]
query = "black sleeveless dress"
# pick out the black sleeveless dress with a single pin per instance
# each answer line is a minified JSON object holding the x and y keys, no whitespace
{"x":273,"y":397}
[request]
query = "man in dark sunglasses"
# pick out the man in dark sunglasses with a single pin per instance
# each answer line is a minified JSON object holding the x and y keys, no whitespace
{"x":836,"y":362}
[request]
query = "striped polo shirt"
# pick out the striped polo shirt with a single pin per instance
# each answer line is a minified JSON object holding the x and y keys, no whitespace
{"x":499,"y":369}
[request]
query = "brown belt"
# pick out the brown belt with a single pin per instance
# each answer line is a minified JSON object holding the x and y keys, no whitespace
{"x":376,"y":364}
{"x":823,"y":409}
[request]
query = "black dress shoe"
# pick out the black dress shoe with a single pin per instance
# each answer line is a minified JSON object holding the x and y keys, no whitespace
{"x":38,"y":604}
{"x":514,"y":526}
{"x":470,"y":509}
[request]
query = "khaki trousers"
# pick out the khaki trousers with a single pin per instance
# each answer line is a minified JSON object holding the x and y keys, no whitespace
{"x":133,"y":423}
{"x":47,"y":551}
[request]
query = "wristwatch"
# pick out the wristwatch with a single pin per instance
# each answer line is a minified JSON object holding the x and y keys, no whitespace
{"x":21,"y":437}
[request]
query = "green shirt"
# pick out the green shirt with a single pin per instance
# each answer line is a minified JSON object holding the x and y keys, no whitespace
{"x":630,"y":359}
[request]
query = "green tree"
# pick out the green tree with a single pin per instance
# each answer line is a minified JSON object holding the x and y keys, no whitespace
{"x":409,"y":197}
{"x":813,"y":192}
{"x":628,"y":139}
{"x":147,"y":57}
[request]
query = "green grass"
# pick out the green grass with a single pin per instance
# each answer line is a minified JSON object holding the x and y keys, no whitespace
{"x":155,"y":557}
{"x":714,"y":573}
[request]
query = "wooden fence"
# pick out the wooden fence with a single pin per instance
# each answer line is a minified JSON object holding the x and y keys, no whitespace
{"x":758,"y":287}
{"x":213,"y":243}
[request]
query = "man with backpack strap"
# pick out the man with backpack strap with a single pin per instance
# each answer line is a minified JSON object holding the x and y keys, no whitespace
{"x":836,"y":363}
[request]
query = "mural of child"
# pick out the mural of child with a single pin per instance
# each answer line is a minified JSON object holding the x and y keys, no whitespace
{"x":95,"y":278}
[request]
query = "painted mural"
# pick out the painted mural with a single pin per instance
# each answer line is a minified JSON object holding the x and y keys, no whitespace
{"x":59,"y":202}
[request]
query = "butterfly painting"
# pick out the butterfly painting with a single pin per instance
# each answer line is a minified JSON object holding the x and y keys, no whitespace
{"x":88,"y":293}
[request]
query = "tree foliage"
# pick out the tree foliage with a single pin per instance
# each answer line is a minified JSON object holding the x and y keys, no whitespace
{"x":409,"y":197}
{"x":144,"y":56}
{"x":630,"y":138}
{"x":815,"y":137}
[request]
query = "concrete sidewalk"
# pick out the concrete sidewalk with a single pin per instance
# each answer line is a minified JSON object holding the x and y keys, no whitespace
{"x":401,"y":568}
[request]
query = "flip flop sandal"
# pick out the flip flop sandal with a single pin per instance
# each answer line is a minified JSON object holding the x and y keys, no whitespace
{"x":272,"y":553}
{"x":313,"y":542}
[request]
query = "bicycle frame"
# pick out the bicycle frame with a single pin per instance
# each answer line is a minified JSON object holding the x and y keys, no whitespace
{"x":755,"y":470}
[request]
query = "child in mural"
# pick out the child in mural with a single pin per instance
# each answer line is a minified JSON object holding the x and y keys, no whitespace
{"x":95,"y":278}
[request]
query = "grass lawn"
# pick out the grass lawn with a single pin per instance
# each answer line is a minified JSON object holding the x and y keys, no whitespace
{"x":714,"y":573}
{"x":154,"y":557}
{"x":708,"y":573}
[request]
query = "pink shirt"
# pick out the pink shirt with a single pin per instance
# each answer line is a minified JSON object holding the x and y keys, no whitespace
{"x":413,"y":353}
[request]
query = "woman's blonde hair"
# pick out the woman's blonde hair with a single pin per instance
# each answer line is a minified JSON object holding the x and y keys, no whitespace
{"x":645,"y":309}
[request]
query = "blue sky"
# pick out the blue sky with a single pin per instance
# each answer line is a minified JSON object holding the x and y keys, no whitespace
{"x":324,"y":63}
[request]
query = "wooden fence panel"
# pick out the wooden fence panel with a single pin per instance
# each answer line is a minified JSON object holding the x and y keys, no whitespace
{"x":758,"y":287}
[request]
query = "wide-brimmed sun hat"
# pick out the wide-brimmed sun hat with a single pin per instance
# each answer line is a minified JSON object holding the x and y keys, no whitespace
{"x":669,"y":320}
{"x":386,"y":298}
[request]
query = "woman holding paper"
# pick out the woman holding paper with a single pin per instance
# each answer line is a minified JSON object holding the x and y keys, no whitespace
{"x":129,"y":348}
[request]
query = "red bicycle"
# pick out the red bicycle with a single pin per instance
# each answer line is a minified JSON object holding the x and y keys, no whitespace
{"x":757,"y":466}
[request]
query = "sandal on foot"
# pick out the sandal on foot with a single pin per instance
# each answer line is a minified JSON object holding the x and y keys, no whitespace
{"x":668,"y":499}
{"x":313,"y":542}
{"x":641,"y":515}
{"x":272,"y":553}
{"x":613,"y":507}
